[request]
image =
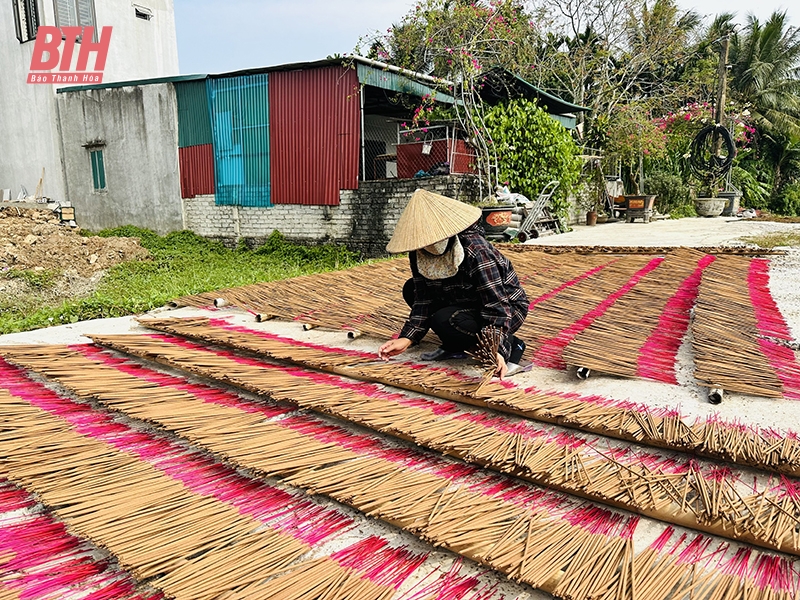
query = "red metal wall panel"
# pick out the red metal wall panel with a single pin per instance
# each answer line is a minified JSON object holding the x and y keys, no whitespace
{"x":197,"y":170}
{"x":315,"y":135}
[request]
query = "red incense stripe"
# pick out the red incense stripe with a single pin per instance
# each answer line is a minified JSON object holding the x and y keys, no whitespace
{"x":772,"y":329}
{"x":576,"y":280}
{"x":658,"y":355}
{"x":551,"y":350}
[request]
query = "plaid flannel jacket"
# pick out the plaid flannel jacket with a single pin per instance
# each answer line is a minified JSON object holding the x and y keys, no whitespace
{"x":485,"y":281}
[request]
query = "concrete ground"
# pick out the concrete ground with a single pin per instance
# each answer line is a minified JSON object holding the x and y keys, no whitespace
{"x":693,"y":232}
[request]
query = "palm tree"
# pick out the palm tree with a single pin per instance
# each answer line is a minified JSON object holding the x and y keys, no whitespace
{"x":765,"y":61}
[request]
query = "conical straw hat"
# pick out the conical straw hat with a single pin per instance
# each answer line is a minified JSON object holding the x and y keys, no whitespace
{"x":430,"y":218}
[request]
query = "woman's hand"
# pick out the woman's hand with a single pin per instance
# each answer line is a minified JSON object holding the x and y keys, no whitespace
{"x":393,"y":348}
{"x":502,"y":367}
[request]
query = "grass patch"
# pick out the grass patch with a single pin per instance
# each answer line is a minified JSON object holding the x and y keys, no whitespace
{"x":36,"y":280}
{"x":772,"y":240}
{"x":181,"y":263}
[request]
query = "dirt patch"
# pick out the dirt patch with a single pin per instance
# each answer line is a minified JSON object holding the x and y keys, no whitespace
{"x":34,"y":239}
{"x":42,"y":261}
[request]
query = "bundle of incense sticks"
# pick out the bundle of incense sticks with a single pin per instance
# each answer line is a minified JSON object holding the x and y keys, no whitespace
{"x":485,"y":352}
{"x":40,"y":559}
{"x":623,"y":339}
{"x":774,"y":337}
{"x":451,"y":585}
{"x":683,"y":494}
{"x":714,"y":437}
{"x":657,"y":357}
{"x":534,"y":535}
{"x":728,"y":351}
{"x":368,"y":570}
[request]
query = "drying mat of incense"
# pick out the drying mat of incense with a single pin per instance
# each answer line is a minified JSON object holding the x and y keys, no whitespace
{"x":662,"y":250}
{"x":368,"y":298}
{"x":419,"y":494}
{"x":640,"y":334}
{"x":715,"y":438}
{"x":740,"y":340}
{"x":708,"y":498}
{"x":370,"y":568}
{"x":677,"y":493}
{"x":155,"y":516}
{"x":597,"y":310}
{"x":40,"y":559}
{"x":574,"y":551}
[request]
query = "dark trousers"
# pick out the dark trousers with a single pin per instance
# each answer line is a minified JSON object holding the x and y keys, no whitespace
{"x":456,"y":326}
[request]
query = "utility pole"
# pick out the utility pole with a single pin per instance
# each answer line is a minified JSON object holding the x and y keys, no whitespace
{"x":722,"y":79}
{"x":722,"y":85}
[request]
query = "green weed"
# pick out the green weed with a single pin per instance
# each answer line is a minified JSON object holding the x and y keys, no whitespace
{"x":772,"y":240}
{"x":35,"y":279}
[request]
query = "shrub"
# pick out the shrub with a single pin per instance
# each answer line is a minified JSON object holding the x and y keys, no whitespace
{"x":532,"y":149}
{"x":788,"y":201}
{"x":673,"y":196}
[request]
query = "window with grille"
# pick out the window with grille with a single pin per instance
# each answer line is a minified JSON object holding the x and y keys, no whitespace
{"x":26,"y":19}
{"x":98,"y":170}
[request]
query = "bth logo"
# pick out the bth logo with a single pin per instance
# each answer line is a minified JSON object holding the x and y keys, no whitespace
{"x":49,"y":54}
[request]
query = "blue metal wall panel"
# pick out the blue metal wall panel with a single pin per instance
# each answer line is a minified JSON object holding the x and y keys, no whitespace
{"x":239,"y":109}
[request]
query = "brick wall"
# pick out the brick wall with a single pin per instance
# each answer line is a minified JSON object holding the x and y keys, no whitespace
{"x":363,"y":221}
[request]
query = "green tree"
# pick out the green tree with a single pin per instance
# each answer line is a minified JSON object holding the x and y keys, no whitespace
{"x":451,"y":38}
{"x":607,"y":53}
{"x":765,"y":61}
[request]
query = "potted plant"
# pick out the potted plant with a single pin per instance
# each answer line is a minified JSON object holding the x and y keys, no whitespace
{"x":707,"y":201}
{"x":590,"y":192}
{"x":496,"y":215}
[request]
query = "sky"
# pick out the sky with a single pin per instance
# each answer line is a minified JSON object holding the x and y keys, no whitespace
{"x":217,"y":36}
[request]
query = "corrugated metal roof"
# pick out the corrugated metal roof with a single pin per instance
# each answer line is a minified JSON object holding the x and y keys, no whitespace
{"x":194,"y":116}
{"x":240,"y":124}
{"x":315,"y":117}
{"x":349,"y":62}
{"x":133,"y":82}
{"x":395,"y":82}
{"x":567,"y":121}
{"x":197,"y":170}
{"x":501,"y":84}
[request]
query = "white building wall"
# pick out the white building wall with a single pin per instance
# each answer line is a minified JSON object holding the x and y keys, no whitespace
{"x":29,"y":139}
{"x":139,"y":49}
{"x":29,"y":122}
